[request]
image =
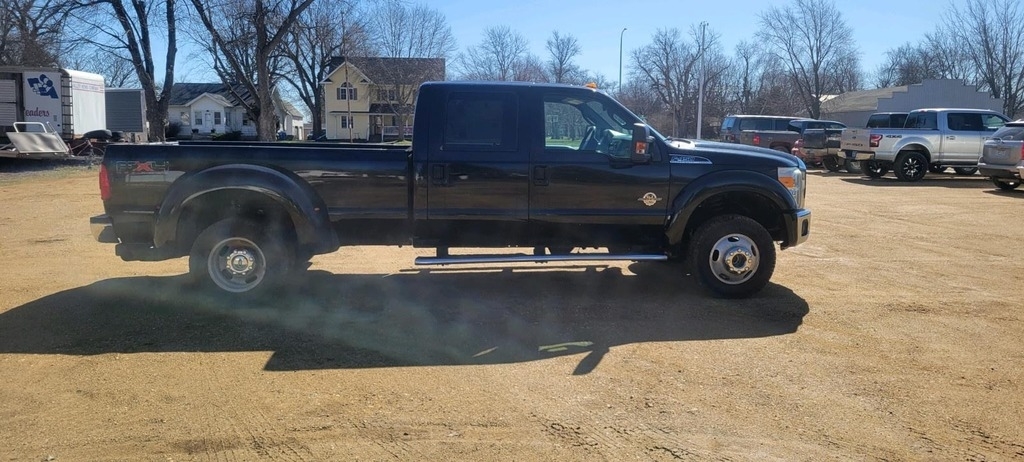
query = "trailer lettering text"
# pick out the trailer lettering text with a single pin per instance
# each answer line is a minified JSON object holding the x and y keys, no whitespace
{"x":37,"y":113}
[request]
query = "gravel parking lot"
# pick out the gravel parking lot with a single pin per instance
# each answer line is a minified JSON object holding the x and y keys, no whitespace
{"x":894,"y":333}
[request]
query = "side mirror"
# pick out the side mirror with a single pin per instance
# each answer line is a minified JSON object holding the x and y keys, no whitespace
{"x":640,"y":145}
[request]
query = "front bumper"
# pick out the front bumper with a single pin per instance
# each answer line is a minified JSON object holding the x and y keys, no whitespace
{"x":102,"y":229}
{"x":798,"y":228}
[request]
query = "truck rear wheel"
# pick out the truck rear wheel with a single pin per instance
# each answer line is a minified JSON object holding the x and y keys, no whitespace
{"x":965,"y":170}
{"x":910,"y":166}
{"x":1006,"y":185}
{"x":240,"y":257}
{"x":733,"y":256}
{"x":831,"y":163}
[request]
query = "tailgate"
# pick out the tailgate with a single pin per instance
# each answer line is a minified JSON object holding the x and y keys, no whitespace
{"x":821,"y":138}
{"x":855,"y":139}
{"x":999,"y":152}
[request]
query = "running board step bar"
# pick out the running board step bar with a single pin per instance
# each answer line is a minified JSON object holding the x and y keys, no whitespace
{"x":523,"y":258}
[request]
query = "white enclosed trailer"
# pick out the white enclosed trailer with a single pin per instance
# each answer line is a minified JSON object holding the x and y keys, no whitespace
{"x":70,"y":103}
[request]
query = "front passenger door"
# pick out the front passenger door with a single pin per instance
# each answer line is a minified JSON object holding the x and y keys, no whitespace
{"x":582,"y":177}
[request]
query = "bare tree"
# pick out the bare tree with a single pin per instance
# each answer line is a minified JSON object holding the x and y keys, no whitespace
{"x":989,"y":32}
{"x":400,"y":30}
{"x":811,"y":39}
{"x":323,"y":30}
{"x":747,"y":68}
{"x":32,"y":31}
{"x":563,"y":49}
{"x":667,"y":67}
{"x":245,"y":41}
{"x":137,"y":23}
{"x":117,"y":71}
{"x":418,"y":39}
{"x":501,"y":55}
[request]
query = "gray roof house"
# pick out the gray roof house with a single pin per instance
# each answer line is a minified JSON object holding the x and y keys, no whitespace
{"x":210,"y":108}
{"x":854,"y":108}
{"x":372,"y":97}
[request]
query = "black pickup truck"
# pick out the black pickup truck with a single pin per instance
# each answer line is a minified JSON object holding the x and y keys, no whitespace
{"x":550,"y":168}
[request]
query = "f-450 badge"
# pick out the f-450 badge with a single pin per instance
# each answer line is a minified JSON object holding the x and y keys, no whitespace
{"x":650,"y":199}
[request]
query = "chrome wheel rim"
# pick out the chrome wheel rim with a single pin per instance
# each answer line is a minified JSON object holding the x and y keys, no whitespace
{"x":236,"y":265}
{"x":734,"y":259}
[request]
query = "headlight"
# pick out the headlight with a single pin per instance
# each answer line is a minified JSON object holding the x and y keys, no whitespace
{"x":795,"y":180}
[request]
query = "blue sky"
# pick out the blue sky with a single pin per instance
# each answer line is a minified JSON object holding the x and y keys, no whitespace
{"x":877,"y":25}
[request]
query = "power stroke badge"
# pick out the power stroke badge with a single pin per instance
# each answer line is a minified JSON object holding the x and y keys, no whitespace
{"x":649,"y":199}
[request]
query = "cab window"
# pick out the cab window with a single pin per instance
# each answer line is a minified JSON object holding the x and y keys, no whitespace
{"x":481,"y":122}
{"x":583,"y":123}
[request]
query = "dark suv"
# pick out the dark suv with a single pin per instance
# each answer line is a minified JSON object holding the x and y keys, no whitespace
{"x":771,"y":132}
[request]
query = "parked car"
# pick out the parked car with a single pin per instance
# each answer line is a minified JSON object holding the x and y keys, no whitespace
{"x":819,"y":144}
{"x":771,"y":132}
{"x":931,"y":139}
{"x":1002,"y":158}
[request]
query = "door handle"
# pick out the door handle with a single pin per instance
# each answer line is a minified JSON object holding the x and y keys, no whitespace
{"x":439,"y":174}
{"x":950,"y":137}
{"x":540,"y":175}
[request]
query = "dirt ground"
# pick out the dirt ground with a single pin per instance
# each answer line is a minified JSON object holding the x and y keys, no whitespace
{"x":894,"y":333}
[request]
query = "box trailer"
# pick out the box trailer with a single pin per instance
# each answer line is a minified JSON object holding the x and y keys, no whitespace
{"x":68,"y":103}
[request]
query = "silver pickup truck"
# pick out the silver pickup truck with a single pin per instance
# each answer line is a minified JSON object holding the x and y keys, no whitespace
{"x":931,"y":140}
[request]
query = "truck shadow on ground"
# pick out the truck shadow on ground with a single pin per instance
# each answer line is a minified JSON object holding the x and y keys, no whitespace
{"x":428,"y":317}
{"x":940,"y":180}
{"x":1017,"y":193}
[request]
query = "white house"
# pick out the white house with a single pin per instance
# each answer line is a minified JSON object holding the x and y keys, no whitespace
{"x":211,"y":108}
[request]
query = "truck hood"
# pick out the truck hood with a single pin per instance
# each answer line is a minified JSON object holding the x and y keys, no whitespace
{"x":734,"y":154}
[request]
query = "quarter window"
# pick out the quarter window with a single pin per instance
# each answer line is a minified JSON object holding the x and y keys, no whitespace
{"x":481,"y":122}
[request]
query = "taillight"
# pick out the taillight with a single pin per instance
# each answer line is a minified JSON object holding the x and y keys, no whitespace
{"x":757,"y":140}
{"x":875,"y":139}
{"x":104,"y":183}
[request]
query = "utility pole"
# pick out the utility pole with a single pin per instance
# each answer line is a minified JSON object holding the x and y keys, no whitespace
{"x":620,"y":58}
{"x":700,"y":85}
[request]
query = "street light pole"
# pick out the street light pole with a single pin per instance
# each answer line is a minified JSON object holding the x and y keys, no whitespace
{"x":700,"y":91}
{"x":620,"y":58}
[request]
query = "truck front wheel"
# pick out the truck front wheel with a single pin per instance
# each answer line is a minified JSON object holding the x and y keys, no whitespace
{"x":873,"y":168}
{"x":852,"y":166}
{"x":240,"y":257}
{"x":733,"y":256}
{"x":911,"y":166}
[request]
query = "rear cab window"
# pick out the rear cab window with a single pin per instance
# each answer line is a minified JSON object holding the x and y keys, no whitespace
{"x":923,"y":120}
{"x":481,"y":122}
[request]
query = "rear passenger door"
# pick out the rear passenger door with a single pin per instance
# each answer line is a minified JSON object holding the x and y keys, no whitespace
{"x":477,"y":172}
